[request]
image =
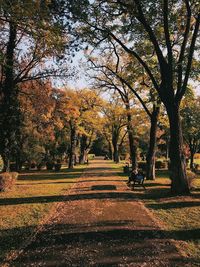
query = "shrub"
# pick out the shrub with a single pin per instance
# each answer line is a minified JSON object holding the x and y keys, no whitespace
{"x":191,"y":179}
{"x":160,"y":164}
{"x":33,"y":165}
{"x":142,"y":165}
{"x":197,"y":156}
{"x":7,"y":180}
{"x":126,"y":169}
{"x":40,"y":166}
{"x":13,"y":166}
{"x":27,"y":166}
{"x":91,"y":156}
{"x":196,"y":168}
{"x":58,"y":166}
{"x":1,"y":163}
{"x":50,"y":165}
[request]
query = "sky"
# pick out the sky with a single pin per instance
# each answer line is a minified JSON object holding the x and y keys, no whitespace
{"x":82,"y":81}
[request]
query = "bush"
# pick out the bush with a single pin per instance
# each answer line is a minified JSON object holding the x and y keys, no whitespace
{"x":196,"y":168}
{"x":91,"y":156}
{"x":126,"y":169}
{"x":160,"y":164}
{"x":197,"y":156}
{"x":7,"y":180}
{"x":50,"y":165}
{"x":191,"y":179}
{"x":57,"y":167}
{"x":142,"y":165}
{"x":33,"y":165}
{"x":1,"y":163}
{"x":40,"y":166}
{"x":13,"y":166}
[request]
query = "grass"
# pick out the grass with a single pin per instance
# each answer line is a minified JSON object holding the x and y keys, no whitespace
{"x":29,"y":202}
{"x":197,"y":161}
{"x":180,"y":215}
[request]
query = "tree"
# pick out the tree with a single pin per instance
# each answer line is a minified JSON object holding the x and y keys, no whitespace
{"x":191,"y":128}
{"x":90,"y":123}
{"x":172,"y":38}
{"x":119,"y":76}
{"x":114,"y":127}
{"x":37,"y":108}
{"x":79,"y":110}
{"x":23,"y":57}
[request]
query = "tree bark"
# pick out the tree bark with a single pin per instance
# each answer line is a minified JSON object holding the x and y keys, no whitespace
{"x":110,"y":150}
{"x":83,"y":146}
{"x":132,"y":146}
{"x":115,"y":153}
{"x":150,"y":167}
{"x":115,"y":137}
{"x":191,"y":159}
{"x":72,"y":146}
{"x":177,"y":166}
{"x":9,"y":109}
{"x":6,"y":163}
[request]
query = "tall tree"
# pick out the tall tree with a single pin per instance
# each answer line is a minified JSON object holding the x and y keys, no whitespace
{"x":119,"y":76}
{"x":114,"y":126}
{"x":79,"y":109}
{"x":35,"y":37}
{"x":191,"y":128}
{"x":172,"y":37}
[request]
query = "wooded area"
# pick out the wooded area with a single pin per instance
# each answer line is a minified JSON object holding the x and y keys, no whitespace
{"x":138,"y":106}
{"x":147,"y":63}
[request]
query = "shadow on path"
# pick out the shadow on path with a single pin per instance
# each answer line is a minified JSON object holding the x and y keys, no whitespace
{"x":100,"y":223}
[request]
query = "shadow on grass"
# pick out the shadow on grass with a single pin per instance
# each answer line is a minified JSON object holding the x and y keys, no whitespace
{"x":103,"y":187}
{"x":45,"y":175}
{"x":65,"y":173}
{"x":116,"y":196}
{"x":48,"y":183}
{"x":43,"y":171}
{"x":159,"y":174}
{"x":81,"y":244}
{"x":174,"y":205}
{"x":99,"y":180}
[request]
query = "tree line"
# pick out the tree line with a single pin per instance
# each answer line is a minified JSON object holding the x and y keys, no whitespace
{"x":146,"y":51}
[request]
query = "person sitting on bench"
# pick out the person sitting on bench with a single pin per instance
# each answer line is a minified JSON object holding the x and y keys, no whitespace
{"x":139,"y":179}
{"x":132,"y":176}
{"x":136,"y":177}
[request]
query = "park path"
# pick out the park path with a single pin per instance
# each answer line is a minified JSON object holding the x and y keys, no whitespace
{"x":100,"y":223}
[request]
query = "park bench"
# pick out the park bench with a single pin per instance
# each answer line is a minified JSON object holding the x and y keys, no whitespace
{"x":137,"y":179}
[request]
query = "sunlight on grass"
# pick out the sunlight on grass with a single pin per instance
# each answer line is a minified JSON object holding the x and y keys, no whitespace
{"x":180,"y":215}
{"x":29,"y":202}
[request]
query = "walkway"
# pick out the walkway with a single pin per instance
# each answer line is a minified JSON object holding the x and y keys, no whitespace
{"x":100,"y":224}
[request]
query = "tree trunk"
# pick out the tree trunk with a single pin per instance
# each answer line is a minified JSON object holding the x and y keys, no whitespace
{"x":178,"y":174}
{"x":115,"y":153}
{"x":132,"y":146}
{"x":9,"y":109}
{"x":6,"y":163}
{"x":191,"y":159}
{"x":83,"y":146}
{"x":19,"y":161}
{"x":150,"y":168}
{"x":72,"y":146}
{"x":115,"y":139}
{"x":110,"y":150}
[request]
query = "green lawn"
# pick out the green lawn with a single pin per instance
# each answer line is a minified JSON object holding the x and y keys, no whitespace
{"x":179,"y":215}
{"x":197,"y":161}
{"x":23,"y":208}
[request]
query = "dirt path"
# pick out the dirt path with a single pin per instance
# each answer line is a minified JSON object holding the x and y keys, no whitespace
{"x":100,"y":224}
